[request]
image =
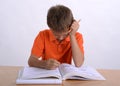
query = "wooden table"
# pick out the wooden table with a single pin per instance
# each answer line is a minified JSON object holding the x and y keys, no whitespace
{"x":8,"y":75}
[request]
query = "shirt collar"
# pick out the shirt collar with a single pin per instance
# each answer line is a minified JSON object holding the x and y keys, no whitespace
{"x":53,"y":39}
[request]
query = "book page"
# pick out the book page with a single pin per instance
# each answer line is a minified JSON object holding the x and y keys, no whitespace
{"x":67,"y":68}
{"x":90,"y":73}
{"x":33,"y":72}
{"x":84,"y":72}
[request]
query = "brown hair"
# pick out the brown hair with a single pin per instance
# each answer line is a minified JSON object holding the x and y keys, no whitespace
{"x":59,"y":18}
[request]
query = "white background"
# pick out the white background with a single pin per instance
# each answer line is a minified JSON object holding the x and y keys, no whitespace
{"x":21,"y":20}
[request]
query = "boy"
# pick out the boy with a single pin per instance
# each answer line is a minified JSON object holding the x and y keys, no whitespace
{"x":60,"y":43}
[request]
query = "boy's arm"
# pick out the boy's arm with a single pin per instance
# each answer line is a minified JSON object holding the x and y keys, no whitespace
{"x":47,"y":64}
{"x":77,"y":54}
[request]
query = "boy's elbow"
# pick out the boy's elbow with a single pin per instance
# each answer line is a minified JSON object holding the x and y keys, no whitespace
{"x":30,"y":62}
{"x":80,"y":63}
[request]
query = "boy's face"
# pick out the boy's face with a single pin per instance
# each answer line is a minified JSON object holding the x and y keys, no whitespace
{"x":61,"y":36}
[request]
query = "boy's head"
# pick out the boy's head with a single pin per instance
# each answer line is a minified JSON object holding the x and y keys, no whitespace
{"x":59,"y":18}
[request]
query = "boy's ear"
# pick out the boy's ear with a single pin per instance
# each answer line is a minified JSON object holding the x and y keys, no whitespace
{"x":79,"y":20}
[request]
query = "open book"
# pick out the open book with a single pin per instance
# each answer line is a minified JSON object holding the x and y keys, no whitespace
{"x":32,"y":75}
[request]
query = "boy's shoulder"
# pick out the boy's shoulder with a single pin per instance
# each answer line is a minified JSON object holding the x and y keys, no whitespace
{"x":45,"y":31}
{"x":78,"y":34}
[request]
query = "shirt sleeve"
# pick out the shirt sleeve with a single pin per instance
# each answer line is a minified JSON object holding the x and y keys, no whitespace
{"x":38,"y":45}
{"x":79,"y":38}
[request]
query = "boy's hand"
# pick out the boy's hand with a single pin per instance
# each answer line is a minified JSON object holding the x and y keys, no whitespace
{"x":74,"y":27}
{"x":51,"y":64}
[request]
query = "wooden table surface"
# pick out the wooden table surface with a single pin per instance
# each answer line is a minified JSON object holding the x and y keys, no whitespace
{"x":8,"y":75}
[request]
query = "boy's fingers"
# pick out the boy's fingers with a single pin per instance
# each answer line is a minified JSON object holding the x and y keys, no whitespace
{"x":79,"y":20}
{"x":70,"y":30}
{"x":55,"y":61}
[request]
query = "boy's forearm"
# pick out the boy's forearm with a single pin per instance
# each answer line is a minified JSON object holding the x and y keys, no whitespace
{"x":77,"y":55}
{"x":34,"y":62}
{"x":46,"y":64}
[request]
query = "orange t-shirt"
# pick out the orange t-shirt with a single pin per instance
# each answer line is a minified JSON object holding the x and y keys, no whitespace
{"x":46,"y":46}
